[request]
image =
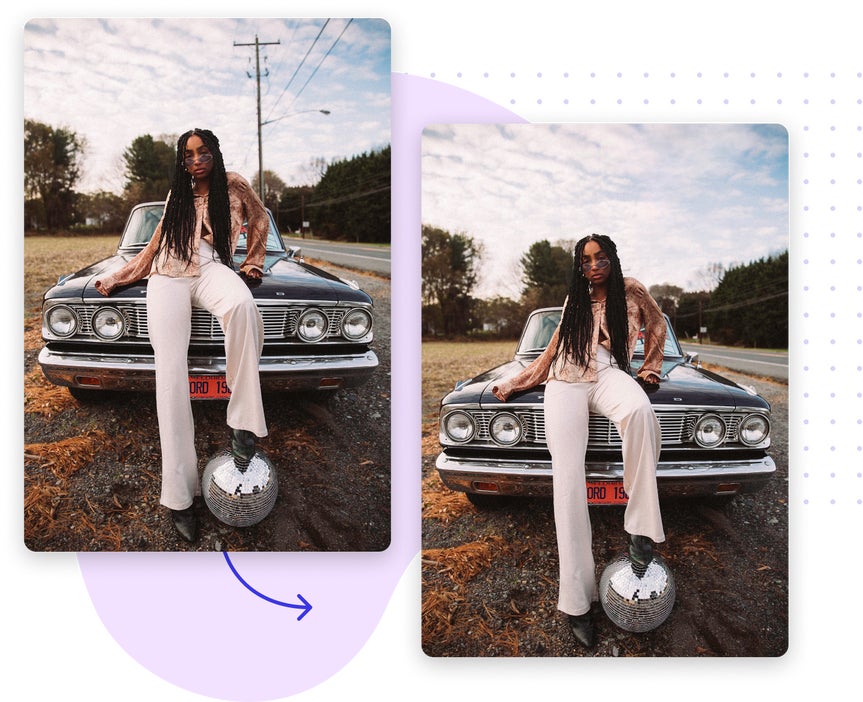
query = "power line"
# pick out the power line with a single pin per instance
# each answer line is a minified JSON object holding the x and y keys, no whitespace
{"x":736,"y":305}
{"x":316,"y":68}
{"x":297,"y":69}
{"x":329,"y":51}
{"x":337,"y":200}
{"x":284,"y":56}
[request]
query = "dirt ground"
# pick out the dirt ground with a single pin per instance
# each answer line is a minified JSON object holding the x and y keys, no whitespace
{"x":490,"y":576}
{"x":92,"y":475}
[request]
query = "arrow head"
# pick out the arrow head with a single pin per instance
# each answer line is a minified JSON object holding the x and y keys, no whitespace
{"x":306,"y":607}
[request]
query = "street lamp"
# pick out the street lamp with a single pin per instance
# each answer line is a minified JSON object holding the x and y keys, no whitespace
{"x":291,"y":114}
{"x":260,"y":147}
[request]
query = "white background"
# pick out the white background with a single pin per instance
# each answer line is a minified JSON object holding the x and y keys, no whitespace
{"x":758,"y":62}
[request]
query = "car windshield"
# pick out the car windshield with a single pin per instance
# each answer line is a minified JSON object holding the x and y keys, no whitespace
{"x":538,"y":330}
{"x":274,"y":241}
{"x":144,"y":219}
{"x":140,"y":227}
{"x":541,"y":325}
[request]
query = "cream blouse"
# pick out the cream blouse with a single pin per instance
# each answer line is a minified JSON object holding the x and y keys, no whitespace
{"x":245,"y":206}
{"x":642,"y":313}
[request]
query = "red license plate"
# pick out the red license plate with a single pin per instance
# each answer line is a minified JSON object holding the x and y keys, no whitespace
{"x":606,"y":494}
{"x":208,"y":387}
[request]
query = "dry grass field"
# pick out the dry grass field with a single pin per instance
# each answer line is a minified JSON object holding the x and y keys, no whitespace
{"x":48,"y":257}
{"x":444,"y":362}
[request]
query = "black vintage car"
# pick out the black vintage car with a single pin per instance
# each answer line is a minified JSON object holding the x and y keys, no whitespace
{"x":715,"y":433}
{"x":317,"y":327}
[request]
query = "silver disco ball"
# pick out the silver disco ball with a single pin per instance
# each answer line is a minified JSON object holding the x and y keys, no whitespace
{"x":637,"y":603}
{"x":240,"y":495}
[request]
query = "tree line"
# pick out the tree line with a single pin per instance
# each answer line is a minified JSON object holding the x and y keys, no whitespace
{"x":348,"y":200}
{"x":744,"y":305}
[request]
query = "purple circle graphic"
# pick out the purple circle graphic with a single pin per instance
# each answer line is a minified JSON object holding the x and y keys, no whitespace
{"x":188,"y":619}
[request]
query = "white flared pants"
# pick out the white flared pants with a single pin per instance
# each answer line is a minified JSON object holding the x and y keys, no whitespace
{"x":618,"y":396}
{"x":222,"y":292}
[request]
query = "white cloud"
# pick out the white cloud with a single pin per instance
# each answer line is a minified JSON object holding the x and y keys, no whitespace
{"x":675,"y":198}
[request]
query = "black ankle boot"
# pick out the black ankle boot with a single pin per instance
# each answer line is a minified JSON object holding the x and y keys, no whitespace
{"x":242,"y":446}
{"x":581,"y":626}
{"x":186,"y":523}
{"x":640,"y":553}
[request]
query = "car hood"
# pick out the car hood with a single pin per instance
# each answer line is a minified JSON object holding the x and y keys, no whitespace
{"x":681,"y":385}
{"x":284,"y":279}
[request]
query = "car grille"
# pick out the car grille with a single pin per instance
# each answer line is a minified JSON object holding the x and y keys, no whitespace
{"x":677,"y":427}
{"x":279,"y":322}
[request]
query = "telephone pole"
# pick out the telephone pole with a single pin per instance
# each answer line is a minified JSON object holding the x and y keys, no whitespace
{"x":258,"y":45}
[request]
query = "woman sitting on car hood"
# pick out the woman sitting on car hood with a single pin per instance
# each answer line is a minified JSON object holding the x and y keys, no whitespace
{"x":586,"y":369}
{"x":189,"y":263}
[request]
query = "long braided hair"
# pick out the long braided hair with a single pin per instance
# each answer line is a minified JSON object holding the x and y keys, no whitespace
{"x":576,"y":332}
{"x":178,"y":224}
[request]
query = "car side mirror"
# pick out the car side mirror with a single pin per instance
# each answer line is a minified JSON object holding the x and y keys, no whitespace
{"x":692,"y":358}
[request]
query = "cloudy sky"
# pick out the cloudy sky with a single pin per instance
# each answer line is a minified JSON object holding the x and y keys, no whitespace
{"x":675,"y":198}
{"x":112,"y":80}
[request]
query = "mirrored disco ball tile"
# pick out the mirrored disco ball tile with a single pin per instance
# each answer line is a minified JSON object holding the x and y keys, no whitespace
{"x":634,"y":603}
{"x":240,"y":497}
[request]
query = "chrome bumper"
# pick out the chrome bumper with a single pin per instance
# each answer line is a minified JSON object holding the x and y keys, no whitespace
{"x":533,"y":478}
{"x":138,"y":373}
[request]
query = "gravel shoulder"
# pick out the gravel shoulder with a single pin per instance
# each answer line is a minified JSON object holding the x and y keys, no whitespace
{"x":489,"y":577}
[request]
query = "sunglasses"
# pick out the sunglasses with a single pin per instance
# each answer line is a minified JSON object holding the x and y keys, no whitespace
{"x":192,"y":160}
{"x":600,"y":263}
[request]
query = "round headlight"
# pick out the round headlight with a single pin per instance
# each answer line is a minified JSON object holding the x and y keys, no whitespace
{"x":459,"y":426}
{"x":356,"y":324}
{"x":753,"y":429}
{"x":108,"y":323}
{"x":312,"y":325}
{"x":709,"y":431}
{"x":61,"y":321}
{"x":506,"y":429}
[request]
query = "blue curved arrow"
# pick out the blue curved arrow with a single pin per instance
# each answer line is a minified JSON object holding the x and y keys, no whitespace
{"x":306,"y":607}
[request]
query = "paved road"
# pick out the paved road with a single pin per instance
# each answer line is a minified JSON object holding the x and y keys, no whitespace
{"x":771,"y":364}
{"x":364,"y":257}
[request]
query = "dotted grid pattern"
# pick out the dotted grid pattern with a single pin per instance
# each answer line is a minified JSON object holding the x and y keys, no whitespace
{"x":823,"y":113}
